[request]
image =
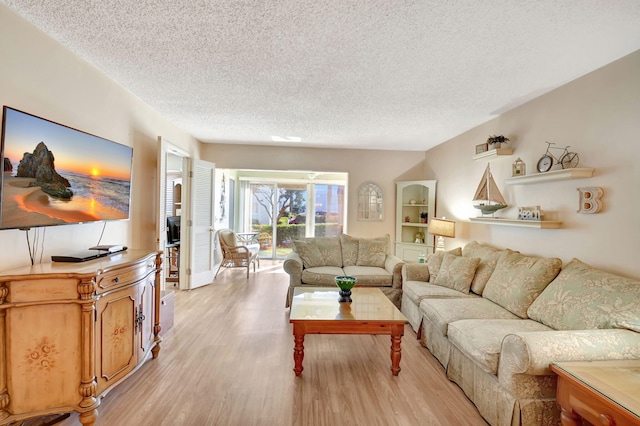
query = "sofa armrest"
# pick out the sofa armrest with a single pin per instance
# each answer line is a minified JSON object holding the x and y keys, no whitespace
{"x":532,"y":352}
{"x":293,"y":266}
{"x":393,"y":264}
{"x":415,"y":272}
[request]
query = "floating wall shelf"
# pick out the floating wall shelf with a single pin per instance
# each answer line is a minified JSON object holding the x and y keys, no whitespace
{"x":493,"y":153}
{"x":539,"y":224}
{"x":564,"y":174}
{"x":418,"y":225}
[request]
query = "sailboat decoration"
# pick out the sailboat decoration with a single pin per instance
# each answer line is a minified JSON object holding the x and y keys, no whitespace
{"x":488,"y":198}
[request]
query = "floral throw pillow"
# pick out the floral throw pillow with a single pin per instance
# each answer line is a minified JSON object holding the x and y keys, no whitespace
{"x":518,"y":280}
{"x":434,"y":261}
{"x":372,"y":251}
{"x":319,"y":251}
{"x":488,"y":260}
{"x":457,"y":272}
{"x":349,"y":250}
{"x":587,"y":298}
{"x":309,"y":253}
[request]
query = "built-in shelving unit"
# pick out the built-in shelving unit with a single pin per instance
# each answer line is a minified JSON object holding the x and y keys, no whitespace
{"x":538,"y":224}
{"x":564,"y":174}
{"x":423,"y":195}
{"x":493,"y":153}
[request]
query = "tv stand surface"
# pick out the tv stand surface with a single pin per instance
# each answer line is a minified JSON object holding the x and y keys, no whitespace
{"x":84,"y":255}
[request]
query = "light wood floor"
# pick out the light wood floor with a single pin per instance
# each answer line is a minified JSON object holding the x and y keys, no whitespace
{"x":228,"y":360}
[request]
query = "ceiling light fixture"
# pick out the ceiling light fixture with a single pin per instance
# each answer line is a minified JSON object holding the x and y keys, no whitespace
{"x":286,"y":139}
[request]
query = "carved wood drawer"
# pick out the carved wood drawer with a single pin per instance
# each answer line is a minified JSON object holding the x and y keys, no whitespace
{"x":124,"y":276}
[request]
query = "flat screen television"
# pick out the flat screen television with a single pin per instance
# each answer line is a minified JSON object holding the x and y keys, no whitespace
{"x":173,"y":230}
{"x":53,"y":174}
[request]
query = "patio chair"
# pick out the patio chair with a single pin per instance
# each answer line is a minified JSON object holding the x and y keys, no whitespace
{"x":236,"y":254}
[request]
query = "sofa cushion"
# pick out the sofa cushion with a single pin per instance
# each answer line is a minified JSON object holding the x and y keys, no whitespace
{"x":442,"y":312}
{"x":321,"y":275}
{"x":518,"y":280}
{"x":618,"y":321}
{"x":481,"y":340}
{"x":309,"y":253}
{"x":319,"y":251}
{"x":488,"y":260}
{"x":585,"y":298}
{"x":372,"y":251}
{"x":371,"y":276}
{"x":229,"y":238}
{"x":434,"y":261}
{"x":418,"y":290}
{"x":349,"y":250}
{"x":456,"y":272}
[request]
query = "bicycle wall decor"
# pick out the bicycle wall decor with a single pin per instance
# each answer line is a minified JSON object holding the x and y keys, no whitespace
{"x":568,"y":159}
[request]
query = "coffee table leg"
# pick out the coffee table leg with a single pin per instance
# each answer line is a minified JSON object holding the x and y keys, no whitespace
{"x":397,"y":331}
{"x":298,"y":348}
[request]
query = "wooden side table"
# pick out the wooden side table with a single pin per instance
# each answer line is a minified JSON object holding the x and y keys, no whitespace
{"x":601,"y":392}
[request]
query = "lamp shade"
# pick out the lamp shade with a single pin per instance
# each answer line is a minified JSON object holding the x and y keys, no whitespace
{"x":442,"y":227}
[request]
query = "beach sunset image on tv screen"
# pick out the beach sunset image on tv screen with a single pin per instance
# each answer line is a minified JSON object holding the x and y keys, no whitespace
{"x":56,"y":175}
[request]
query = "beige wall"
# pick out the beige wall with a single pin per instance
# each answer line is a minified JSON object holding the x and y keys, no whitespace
{"x":382,"y":167}
{"x":43,"y":78}
{"x":596,"y":114}
{"x":599,"y":116}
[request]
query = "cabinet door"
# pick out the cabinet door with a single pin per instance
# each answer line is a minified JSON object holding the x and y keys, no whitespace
{"x":410,"y":252}
{"x":41,"y":354}
{"x":116,"y":352}
{"x":146,"y":318}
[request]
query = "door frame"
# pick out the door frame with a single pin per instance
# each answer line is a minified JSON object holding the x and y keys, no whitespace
{"x":167,"y":148}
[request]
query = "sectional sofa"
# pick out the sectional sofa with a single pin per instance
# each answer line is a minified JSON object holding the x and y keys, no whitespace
{"x":495,"y":319}
{"x":317,"y":261}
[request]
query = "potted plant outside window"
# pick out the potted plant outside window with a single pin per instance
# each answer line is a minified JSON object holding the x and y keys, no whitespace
{"x":496,"y":142}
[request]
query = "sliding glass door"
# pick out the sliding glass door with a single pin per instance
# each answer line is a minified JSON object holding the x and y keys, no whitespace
{"x":281,"y":212}
{"x":329,"y":210}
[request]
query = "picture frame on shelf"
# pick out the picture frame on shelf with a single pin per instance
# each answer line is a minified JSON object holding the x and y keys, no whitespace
{"x":483,"y":147}
{"x":518,"y":168}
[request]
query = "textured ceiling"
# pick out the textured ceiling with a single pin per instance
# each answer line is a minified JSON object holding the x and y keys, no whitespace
{"x":366,"y":74}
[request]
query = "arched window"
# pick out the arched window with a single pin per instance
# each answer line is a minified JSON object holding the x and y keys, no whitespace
{"x":370,"y":199}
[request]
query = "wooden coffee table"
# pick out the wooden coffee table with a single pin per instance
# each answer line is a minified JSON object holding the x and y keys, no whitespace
{"x":601,"y":392}
{"x":316,"y":310}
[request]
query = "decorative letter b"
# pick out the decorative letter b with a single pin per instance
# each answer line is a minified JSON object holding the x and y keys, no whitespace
{"x":590,"y":200}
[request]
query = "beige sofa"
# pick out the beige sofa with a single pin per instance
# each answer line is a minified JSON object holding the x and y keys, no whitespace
{"x":496,"y":319}
{"x":317,"y":261}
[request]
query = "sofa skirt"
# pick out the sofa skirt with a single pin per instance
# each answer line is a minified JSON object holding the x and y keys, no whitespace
{"x":495,"y":404}
{"x":437,"y":344}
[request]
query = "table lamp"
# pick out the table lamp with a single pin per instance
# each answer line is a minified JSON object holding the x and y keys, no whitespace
{"x":442,"y":228}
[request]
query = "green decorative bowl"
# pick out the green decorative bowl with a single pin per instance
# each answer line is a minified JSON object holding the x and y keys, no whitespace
{"x":345,"y":283}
